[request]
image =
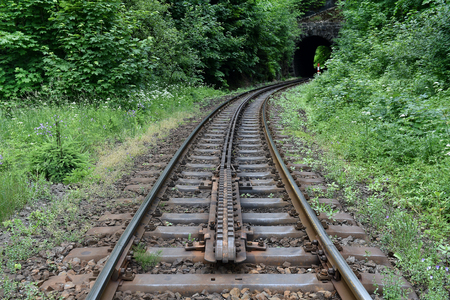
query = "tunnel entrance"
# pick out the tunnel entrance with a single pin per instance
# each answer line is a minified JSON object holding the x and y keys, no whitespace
{"x":304,"y":56}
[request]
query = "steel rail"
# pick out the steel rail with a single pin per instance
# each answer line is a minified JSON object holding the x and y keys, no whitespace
{"x":225,"y":247}
{"x":353,"y":284}
{"x":105,"y":275}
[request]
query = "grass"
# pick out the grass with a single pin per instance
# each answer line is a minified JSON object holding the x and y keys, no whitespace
{"x":144,"y":259}
{"x":87,"y":129}
{"x":402,"y":200}
{"x":113,"y":159}
{"x":13,"y":192}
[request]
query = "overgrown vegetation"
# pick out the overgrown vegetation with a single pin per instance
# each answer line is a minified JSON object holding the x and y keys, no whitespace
{"x":235,"y":40}
{"x":382,"y":112}
{"x":60,"y":143}
{"x":91,"y":49}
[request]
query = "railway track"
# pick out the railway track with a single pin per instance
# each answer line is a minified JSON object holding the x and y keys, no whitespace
{"x":228,"y":217}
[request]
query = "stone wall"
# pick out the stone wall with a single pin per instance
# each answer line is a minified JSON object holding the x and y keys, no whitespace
{"x":327,"y":30}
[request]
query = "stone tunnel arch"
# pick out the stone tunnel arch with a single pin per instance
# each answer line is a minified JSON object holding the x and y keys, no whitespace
{"x":304,"y":55}
{"x":318,"y":29}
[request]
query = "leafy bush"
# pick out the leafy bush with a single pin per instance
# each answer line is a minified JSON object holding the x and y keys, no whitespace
{"x":74,"y":48}
{"x":235,"y":40}
{"x":97,"y":53}
{"x":24,"y":31}
{"x":172,"y":58}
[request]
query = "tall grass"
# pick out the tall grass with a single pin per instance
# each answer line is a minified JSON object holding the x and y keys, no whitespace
{"x":13,"y":192}
{"x":86,"y":123}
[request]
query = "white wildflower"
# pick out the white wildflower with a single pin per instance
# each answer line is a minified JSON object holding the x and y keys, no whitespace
{"x":402,"y":115}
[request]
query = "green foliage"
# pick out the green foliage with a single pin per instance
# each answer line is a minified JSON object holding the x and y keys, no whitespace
{"x":42,"y":140}
{"x":58,"y":158}
{"x":307,"y":5}
{"x":405,"y":48}
{"x":99,"y":53}
{"x":24,"y":32}
{"x":250,"y":39}
{"x":173,"y":59}
{"x":376,"y":10}
{"x":322,"y":55}
{"x":144,"y":259}
{"x":70,"y":47}
{"x":73,"y":48}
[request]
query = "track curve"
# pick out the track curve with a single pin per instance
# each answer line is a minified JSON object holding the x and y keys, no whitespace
{"x":235,"y":217}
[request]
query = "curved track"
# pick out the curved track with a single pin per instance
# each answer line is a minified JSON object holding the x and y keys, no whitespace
{"x":227,"y":213}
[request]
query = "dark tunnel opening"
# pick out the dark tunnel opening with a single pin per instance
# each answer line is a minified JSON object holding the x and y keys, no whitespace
{"x":304,"y":56}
